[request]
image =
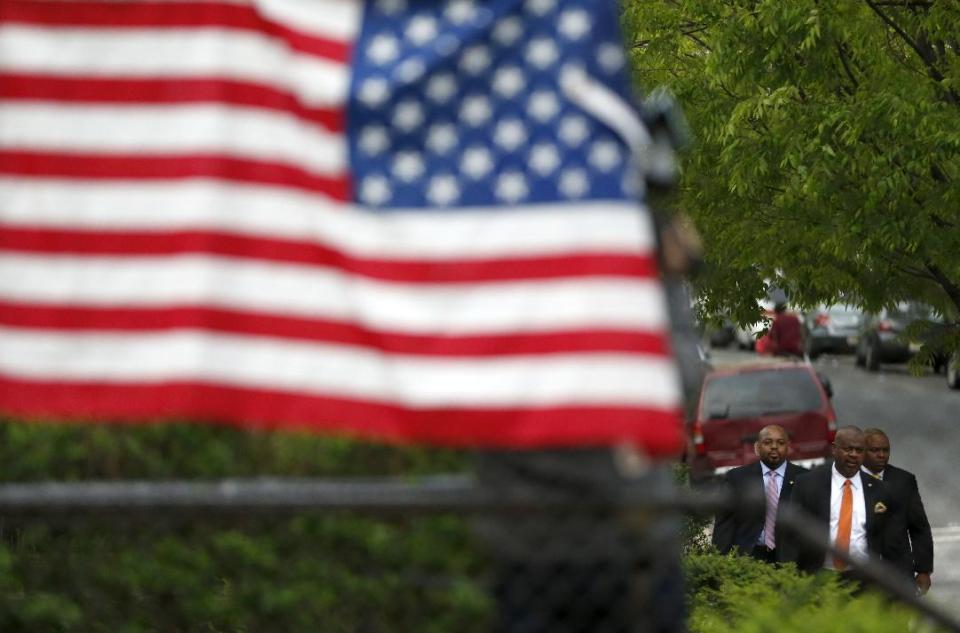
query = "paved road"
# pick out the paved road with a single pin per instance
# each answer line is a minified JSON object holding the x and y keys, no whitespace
{"x":922,"y":418}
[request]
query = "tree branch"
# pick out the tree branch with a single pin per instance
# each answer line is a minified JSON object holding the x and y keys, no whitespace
{"x":951,"y":288}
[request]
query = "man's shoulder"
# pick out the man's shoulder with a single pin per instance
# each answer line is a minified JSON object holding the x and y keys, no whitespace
{"x":816,"y":475}
{"x":796,"y":470}
{"x":895,"y":472}
{"x":741,"y":472}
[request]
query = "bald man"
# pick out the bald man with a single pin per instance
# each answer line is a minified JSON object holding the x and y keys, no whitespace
{"x":757,"y":534}
{"x":854,"y":510}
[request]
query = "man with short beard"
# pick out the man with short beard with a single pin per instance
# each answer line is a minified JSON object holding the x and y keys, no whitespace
{"x":757,"y":534}
{"x":912,"y":538}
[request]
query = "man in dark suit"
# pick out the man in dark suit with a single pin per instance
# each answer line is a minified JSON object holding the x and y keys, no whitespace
{"x":912,"y":537}
{"x":751,"y":533}
{"x":854,"y":511}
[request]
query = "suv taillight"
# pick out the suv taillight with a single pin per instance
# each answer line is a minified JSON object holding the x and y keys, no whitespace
{"x":822,"y":320}
{"x":884,"y":326}
{"x":698,"y":444}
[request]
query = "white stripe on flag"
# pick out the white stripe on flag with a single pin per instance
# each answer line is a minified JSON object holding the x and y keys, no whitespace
{"x":335,"y":19}
{"x":569,"y":379}
{"x":466,"y":233}
{"x":172,"y":129}
{"x":155,"y":53}
{"x":324,"y":293}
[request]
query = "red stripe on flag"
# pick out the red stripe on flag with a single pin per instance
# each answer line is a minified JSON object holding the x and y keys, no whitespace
{"x":658,"y":431}
{"x":147,"y":167}
{"x":76,"y":14}
{"x":163,"y":90}
{"x":94,"y":319}
{"x":115,"y":243}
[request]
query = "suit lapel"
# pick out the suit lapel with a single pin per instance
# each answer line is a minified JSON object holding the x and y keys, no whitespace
{"x":789,"y":478}
{"x":871,"y":488}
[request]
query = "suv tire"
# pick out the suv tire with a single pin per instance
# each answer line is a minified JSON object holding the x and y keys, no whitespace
{"x":953,"y":373}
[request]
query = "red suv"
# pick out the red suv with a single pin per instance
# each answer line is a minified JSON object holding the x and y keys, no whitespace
{"x":736,"y":402}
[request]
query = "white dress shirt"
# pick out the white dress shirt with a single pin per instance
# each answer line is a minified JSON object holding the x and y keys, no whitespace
{"x":781,"y":471}
{"x":858,"y":529}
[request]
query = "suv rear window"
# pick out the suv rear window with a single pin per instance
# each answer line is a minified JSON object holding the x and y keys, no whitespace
{"x":761,"y":393}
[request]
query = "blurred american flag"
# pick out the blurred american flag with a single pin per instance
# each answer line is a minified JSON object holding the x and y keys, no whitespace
{"x":405,"y":220}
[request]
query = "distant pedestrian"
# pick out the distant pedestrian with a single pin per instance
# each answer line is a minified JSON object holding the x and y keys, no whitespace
{"x":757,"y":534}
{"x":912,"y":538}
{"x":786,"y":333}
{"x":853,"y":510}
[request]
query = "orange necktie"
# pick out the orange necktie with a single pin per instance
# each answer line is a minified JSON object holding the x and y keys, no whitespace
{"x":846,"y":522}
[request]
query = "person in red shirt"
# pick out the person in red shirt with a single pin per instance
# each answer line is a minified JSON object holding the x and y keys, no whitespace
{"x":786,"y":333}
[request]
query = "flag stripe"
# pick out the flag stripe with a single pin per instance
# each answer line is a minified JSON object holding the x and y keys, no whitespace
{"x":182,"y":130}
{"x":78,"y":318}
{"x":247,"y":407}
{"x":615,"y":227}
{"x":199,"y":54}
{"x":176,"y":15}
{"x":114,"y":243}
{"x":165,"y":167}
{"x":304,"y":291}
{"x":180,"y":90}
{"x":321,"y":368}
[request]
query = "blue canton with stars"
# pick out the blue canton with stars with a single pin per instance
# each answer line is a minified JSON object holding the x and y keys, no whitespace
{"x":458,"y":103}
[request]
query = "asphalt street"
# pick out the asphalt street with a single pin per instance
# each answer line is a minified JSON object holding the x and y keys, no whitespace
{"x":922,"y":418}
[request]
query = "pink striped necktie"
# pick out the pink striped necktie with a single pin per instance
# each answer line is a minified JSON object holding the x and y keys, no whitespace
{"x":773,"y":498}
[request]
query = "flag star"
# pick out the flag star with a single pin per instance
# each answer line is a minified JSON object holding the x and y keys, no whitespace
{"x":441,"y":138}
{"x":510,"y":134}
{"x":460,"y":11}
{"x":541,"y":7}
{"x":543,"y":105}
{"x":475,"y":60}
{"x":574,"y":24}
{"x":542,"y":53}
{"x":511,"y":186}
{"x":476,"y":110}
{"x":383,"y":49}
{"x":374,"y":140}
{"x":374,"y":92}
{"x":375,"y":190}
{"x":610,"y":57}
{"x":574,"y":130}
{"x":408,"y":115}
{"x":604,"y":155}
{"x":391,"y":7}
{"x":508,"y":81}
{"x":544,"y":158}
{"x":443,"y":190}
{"x":411,"y":70}
{"x":477,"y":162}
{"x":573,"y":183}
{"x":421,"y":29}
{"x":407,"y":166}
{"x":441,"y":88}
{"x":508,"y":31}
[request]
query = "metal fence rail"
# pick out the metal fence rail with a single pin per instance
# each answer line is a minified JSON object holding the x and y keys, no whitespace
{"x":49,"y":501}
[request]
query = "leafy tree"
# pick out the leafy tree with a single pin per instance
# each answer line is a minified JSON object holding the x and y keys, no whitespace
{"x":827,"y":151}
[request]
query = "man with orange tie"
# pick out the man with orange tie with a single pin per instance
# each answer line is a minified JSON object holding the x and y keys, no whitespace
{"x":853,"y":510}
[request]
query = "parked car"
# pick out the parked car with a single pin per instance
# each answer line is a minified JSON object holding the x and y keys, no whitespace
{"x":736,"y":402}
{"x":882,"y":340}
{"x":834,"y":329}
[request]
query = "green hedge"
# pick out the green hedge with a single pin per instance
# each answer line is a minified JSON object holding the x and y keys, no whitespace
{"x":736,"y":594}
{"x":309,"y":573}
